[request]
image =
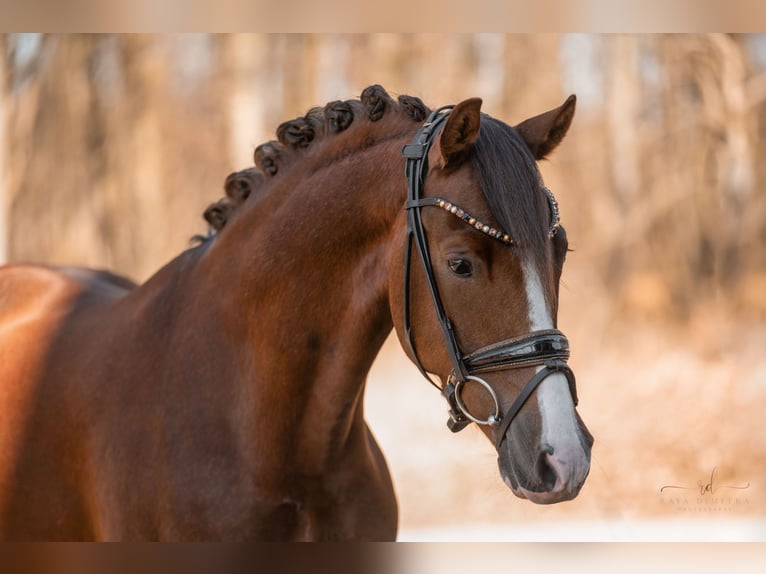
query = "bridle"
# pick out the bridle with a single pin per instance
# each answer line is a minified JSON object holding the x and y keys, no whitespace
{"x":548,"y":348}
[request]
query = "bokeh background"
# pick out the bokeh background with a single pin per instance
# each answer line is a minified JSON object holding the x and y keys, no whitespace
{"x":111,"y":146}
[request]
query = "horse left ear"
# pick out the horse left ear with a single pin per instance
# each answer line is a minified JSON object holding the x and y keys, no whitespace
{"x":544,"y":132}
{"x":461,"y":131}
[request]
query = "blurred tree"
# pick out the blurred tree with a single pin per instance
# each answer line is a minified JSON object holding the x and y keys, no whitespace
{"x":117,"y":146}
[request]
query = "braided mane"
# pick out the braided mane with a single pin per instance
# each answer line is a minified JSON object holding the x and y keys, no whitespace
{"x":296,"y":135}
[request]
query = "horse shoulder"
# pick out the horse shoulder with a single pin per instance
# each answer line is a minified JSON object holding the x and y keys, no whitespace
{"x":31,"y":293}
{"x":35,"y":302}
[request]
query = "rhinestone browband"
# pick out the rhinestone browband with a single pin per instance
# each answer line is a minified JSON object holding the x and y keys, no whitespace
{"x":555,"y":217}
{"x":498,"y":234}
{"x":460,"y":213}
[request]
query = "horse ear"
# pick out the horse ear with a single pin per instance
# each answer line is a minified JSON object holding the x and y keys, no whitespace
{"x":544,"y":132}
{"x":461,"y":131}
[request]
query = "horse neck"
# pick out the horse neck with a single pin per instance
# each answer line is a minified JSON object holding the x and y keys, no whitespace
{"x":306,"y":289}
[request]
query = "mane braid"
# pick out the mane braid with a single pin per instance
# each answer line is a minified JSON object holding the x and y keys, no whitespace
{"x":294,"y":136}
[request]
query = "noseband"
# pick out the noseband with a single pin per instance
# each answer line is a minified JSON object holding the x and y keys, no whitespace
{"x":548,"y":349}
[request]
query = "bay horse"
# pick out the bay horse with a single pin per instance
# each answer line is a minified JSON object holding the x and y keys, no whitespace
{"x":222,"y":399}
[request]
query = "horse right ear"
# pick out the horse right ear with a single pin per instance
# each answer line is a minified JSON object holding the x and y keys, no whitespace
{"x":544,"y":132}
{"x":461,"y":131}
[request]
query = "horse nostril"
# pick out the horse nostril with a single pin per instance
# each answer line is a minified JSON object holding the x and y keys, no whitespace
{"x":545,"y":448}
{"x":546,"y":469}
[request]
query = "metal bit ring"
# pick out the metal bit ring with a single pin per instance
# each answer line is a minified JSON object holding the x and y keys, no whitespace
{"x":492,"y":420}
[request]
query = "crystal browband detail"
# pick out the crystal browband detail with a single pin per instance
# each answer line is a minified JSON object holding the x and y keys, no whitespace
{"x":460,"y":213}
{"x":498,"y":234}
{"x":555,"y":217}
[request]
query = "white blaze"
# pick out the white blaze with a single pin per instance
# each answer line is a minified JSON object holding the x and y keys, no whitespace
{"x":559,"y":426}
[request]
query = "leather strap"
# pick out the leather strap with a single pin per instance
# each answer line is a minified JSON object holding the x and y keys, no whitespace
{"x":531,"y":349}
{"x":549,"y":369}
{"x":416,"y":171}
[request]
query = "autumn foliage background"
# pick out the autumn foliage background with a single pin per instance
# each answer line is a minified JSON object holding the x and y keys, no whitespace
{"x":111,"y":146}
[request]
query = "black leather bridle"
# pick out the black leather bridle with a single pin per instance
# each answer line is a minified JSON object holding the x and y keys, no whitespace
{"x":548,"y":348}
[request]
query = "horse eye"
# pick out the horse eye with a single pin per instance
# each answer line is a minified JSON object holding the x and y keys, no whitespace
{"x":460,"y":267}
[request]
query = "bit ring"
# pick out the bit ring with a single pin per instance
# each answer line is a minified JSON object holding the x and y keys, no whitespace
{"x":492,"y":420}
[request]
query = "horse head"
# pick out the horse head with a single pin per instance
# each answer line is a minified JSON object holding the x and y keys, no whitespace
{"x":479,"y":310}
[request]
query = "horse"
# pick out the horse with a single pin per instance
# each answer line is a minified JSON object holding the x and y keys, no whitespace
{"x":222,"y":399}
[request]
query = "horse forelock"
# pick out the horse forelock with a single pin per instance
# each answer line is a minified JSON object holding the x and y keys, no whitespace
{"x":296,"y":136}
{"x":512,"y":186}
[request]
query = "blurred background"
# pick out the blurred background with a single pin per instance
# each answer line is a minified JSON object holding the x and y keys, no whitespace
{"x":111,"y":146}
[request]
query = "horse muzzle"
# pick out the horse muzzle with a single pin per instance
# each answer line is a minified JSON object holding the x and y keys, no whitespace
{"x":554,"y":478}
{"x":546,"y":459}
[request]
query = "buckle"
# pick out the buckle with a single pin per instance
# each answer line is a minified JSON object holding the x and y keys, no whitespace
{"x":456,"y":421}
